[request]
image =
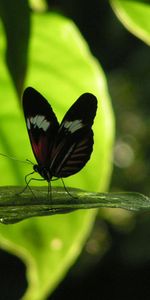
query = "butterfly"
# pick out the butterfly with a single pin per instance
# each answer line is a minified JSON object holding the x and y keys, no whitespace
{"x":61,"y":149}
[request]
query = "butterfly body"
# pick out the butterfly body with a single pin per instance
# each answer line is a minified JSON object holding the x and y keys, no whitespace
{"x":60,"y":150}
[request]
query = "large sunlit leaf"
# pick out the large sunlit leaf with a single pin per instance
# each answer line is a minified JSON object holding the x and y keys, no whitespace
{"x":61,"y":67}
{"x":135,"y":15}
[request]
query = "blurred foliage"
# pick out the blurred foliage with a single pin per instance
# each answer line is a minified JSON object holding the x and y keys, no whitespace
{"x":15,"y":16}
{"x":135,"y":16}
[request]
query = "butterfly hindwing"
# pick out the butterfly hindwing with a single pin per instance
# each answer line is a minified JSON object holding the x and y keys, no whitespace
{"x":42,"y":125}
{"x":74,"y":142}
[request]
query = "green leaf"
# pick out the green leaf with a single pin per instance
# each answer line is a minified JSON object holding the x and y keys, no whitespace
{"x":61,"y":67}
{"x":15,"y":207}
{"x":16,"y":20}
{"x":135,"y":16}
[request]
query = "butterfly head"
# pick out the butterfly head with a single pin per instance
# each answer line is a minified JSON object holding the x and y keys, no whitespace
{"x":43,"y":171}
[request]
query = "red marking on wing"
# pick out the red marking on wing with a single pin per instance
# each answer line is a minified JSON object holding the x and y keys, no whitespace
{"x":41,"y":149}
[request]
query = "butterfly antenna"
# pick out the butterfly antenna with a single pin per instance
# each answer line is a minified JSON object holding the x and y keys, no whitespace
{"x":13,"y":158}
{"x":29,"y":162}
{"x":67,"y":190}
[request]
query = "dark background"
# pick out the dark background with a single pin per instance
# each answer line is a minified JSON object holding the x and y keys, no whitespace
{"x":116,"y":259}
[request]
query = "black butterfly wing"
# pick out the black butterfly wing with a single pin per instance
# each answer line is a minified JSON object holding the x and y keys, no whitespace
{"x":42,"y":125}
{"x":74,"y":142}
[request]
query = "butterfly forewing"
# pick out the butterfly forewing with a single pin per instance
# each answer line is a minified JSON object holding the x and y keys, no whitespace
{"x":74,"y":142}
{"x":42,"y":125}
{"x":83,"y":111}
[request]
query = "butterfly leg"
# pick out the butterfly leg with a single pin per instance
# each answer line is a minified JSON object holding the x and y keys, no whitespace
{"x":49,"y":191}
{"x":66,"y":190}
{"x":27,"y":183}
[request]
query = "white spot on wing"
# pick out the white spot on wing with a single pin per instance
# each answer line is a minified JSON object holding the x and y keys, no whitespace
{"x":33,"y":119}
{"x":38,"y":121}
{"x":73,"y":126}
{"x":28,"y":124}
{"x":45,"y":124}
